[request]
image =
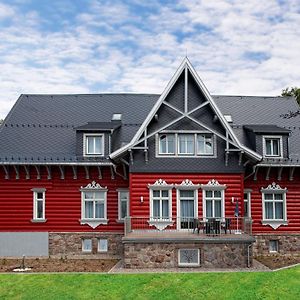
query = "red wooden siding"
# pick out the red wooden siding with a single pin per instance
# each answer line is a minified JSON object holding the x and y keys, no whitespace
{"x":139,"y":187}
{"x":292,"y":198}
{"x":63,"y":201}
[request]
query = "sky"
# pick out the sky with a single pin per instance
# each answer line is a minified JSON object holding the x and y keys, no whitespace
{"x":237,"y":47}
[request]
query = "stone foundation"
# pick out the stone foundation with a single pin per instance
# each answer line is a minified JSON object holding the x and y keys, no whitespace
{"x":165,"y":255}
{"x":287,"y":244}
{"x":70,"y":244}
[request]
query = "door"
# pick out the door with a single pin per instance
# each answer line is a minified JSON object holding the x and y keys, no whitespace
{"x":187,"y":209}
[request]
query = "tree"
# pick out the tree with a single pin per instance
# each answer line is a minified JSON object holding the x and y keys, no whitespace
{"x":293,"y":91}
{"x":288,"y":92}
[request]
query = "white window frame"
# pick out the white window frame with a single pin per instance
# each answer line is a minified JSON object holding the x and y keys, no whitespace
{"x":85,"y":144}
{"x":120,"y":191}
{"x":274,"y":189}
{"x":277,"y":246}
{"x":36,"y":191}
{"x":248,"y":200}
{"x":212,"y":141}
{"x":185,"y":136}
{"x":160,"y":199}
{"x":160,"y":223}
{"x":184,"y":264}
{"x":177,"y":153}
{"x":167,"y":146}
{"x":213,"y":199}
{"x":83,"y":248}
{"x":93,"y":222}
{"x":272,"y":137}
{"x":106,"y":246}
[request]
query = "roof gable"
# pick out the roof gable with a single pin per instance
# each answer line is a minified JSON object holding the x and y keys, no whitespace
{"x":184,"y":109}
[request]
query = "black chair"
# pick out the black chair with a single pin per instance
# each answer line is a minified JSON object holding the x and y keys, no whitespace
{"x":227,"y":225}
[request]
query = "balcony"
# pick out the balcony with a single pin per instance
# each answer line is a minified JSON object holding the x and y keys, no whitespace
{"x":187,"y":228}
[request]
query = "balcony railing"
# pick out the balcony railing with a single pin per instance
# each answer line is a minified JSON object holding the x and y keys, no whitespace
{"x":206,"y":226}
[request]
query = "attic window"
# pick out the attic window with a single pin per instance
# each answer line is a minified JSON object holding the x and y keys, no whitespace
{"x":116,"y":117}
{"x":228,"y":118}
{"x":93,"y":145}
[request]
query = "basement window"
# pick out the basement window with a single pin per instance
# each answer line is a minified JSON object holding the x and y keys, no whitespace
{"x":102,"y":245}
{"x":273,"y":246}
{"x":87,"y":245}
{"x":189,"y":257}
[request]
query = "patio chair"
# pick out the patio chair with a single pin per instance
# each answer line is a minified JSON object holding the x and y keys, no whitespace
{"x":227,"y":225}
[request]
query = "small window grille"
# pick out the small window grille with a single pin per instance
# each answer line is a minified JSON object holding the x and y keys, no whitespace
{"x":189,"y":257}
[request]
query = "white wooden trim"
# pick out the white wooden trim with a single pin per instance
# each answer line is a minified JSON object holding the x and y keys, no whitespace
{"x":119,"y":203}
{"x":248,"y":192}
{"x":159,"y":188}
{"x":185,"y":64}
{"x":85,"y":135}
{"x":222,"y":201}
{"x":264,"y":137}
{"x":35,"y":192}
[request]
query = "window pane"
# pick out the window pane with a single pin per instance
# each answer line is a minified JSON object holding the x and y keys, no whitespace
{"x":165,"y":208}
{"x":268,"y":147}
{"x":123,"y":209}
{"x":275,"y":147}
{"x":40,"y":209}
{"x":279,"y":210}
{"x":164,"y":193}
{"x":190,"y":144}
{"x":268,"y":196}
{"x":186,"y":194}
{"x":39,"y":196}
{"x":87,"y":245}
{"x":90,"y":145}
{"x":182,"y":148}
{"x":269,"y":210}
{"x":156,"y":209}
{"x":171,"y":144}
{"x":98,"y":195}
{"x":209,"y":211}
{"x":88,"y":195}
{"x":124,"y":195}
{"x":217,"y":194}
{"x":209,"y":194}
{"x":217,"y":209}
{"x":156,"y":193}
{"x":99,"y":209}
{"x":98,"y":144}
{"x":201,"y":144}
{"x":163,"y":143}
{"x":208,"y":146}
{"x":246,"y":211}
{"x":278,"y":196}
{"x":187,"y":208}
{"x":88,"y":209}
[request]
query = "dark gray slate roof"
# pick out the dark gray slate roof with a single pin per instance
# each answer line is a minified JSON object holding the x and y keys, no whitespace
{"x":255,"y":110}
{"x":103,"y":126}
{"x":263,"y":128}
{"x":42,"y":128}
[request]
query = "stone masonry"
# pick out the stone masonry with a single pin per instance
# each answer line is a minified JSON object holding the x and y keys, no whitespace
{"x":287,"y":244}
{"x":70,"y":244}
{"x":165,"y":255}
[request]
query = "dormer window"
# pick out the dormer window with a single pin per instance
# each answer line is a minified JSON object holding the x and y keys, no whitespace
{"x":167,"y":144}
{"x":205,"y":144}
{"x":186,"y":144}
{"x":93,"y":144}
{"x":272,"y":146}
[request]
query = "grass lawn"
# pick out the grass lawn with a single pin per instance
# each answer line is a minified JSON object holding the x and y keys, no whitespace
{"x":284,"y":284}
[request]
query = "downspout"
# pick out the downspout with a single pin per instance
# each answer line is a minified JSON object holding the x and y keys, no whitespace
{"x":252,"y":173}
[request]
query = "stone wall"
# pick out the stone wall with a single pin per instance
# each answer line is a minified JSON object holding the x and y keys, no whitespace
{"x":70,"y":244}
{"x":165,"y":255}
{"x":287,"y":244}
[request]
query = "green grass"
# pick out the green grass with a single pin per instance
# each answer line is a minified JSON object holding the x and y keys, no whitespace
{"x":284,"y":284}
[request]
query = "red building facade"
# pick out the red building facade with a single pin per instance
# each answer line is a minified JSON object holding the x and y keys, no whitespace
{"x":168,"y":180}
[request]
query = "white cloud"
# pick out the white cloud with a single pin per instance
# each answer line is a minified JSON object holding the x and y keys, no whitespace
{"x":110,"y":47}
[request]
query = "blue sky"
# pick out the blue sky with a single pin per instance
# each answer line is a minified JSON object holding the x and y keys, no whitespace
{"x":93,"y":46}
